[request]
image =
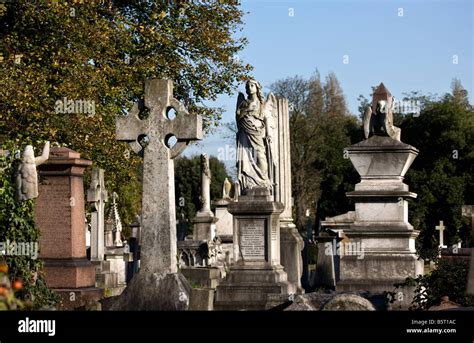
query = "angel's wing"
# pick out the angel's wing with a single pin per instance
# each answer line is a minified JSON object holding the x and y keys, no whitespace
{"x":270,"y":106}
{"x":367,"y":116}
{"x":240,"y":100}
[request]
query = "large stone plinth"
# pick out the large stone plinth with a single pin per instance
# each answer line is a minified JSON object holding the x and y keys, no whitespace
{"x":257,"y":271}
{"x":60,"y":218}
{"x":380,"y":246}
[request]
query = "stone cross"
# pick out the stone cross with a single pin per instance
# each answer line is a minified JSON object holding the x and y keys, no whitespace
{"x":441,"y":229}
{"x":158,"y":251}
{"x":97,"y":195}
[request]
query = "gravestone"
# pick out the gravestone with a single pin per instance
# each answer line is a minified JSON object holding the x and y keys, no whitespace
{"x":379,"y":227}
{"x":224,"y":225}
{"x":158,"y":285}
{"x":204,"y":221}
{"x":97,"y":196}
{"x":225,"y":221}
{"x":291,"y":242}
{"x":325,"y":274}
{"x":113,"y":231}
{"x":60,"y":217}
{"x":256,"y":272}
{"x":116,"y":255}
{"x":441,"y":229}
{"x":200,"y":258}
{"x":134,"y":243}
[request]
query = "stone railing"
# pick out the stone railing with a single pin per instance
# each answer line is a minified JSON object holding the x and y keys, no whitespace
{"x":199,"y":253}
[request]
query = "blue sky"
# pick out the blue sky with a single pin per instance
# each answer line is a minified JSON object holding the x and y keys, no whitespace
{"x":409,"y":45}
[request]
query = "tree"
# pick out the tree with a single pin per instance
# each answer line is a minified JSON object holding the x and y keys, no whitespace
{"x":321,"y":128}
{"x":99,"y":53}
{"x":442,"y":174}
{"x":188,"y":184}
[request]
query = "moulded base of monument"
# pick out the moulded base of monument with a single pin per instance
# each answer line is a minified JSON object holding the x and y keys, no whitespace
{"x":203,"y":276}
{"x":69,"y":273}
{"x":378,"y":274}
{"x":152,"y":292}
{"x":248,"y":287}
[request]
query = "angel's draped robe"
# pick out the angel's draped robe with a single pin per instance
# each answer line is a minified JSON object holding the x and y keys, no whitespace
{"x":252,"y":161}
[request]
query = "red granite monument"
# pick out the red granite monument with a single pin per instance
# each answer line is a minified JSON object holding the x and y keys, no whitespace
{"x":61,"y":220}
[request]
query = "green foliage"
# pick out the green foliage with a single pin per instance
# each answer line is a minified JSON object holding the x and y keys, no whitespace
{"x":442,"y":174}
{"x":103,"y":51}
{"x":449,"y":279}
{"x":188,"y":183}
{"x":17,"y":225}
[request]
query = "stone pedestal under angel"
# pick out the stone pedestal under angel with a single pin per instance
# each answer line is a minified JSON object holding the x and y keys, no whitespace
{"x":26,"y":178}
{"x":256,"y":138}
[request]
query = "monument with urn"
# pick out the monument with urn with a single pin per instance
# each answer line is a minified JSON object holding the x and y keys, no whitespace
{"x":379,"y":226}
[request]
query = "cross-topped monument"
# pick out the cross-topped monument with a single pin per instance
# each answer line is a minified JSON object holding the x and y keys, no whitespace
{"x":441,"y":229}
{"x":158,"y":250}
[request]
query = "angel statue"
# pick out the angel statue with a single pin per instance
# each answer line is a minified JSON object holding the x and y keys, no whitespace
{"x":255,"y":146}
{"x":226,"y":187}
{"x":26,"y":177}
{"x":378,"y":118}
